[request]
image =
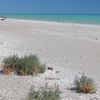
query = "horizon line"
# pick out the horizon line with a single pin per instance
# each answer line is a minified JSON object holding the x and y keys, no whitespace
{"x":55,"y":13}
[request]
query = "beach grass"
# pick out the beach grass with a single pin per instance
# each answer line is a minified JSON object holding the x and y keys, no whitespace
{"x":44,"y":93}
{"x":84,"y":84}
{"x":25,"y":65}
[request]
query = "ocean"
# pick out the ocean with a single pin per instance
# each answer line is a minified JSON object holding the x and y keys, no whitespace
{"x":74,"y":18}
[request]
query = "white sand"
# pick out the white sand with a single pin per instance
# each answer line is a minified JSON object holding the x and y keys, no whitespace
{"x":67,"y":47}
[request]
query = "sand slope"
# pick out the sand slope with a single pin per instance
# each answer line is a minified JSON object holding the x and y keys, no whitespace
{"x":67,"y":47}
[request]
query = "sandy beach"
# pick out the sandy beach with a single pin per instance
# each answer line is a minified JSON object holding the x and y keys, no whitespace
{"x":69,"y":48}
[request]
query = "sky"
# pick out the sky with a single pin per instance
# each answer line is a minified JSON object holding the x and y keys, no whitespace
{"x":50,"y":6}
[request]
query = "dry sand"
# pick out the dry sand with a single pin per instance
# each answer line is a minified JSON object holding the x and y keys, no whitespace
{"x":69,"y":48}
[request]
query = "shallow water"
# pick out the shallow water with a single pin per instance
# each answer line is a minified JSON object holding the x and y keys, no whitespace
{"x":74,"y":18}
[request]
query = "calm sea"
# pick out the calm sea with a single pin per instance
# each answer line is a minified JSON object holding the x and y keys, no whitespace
{"x":74,"y":18}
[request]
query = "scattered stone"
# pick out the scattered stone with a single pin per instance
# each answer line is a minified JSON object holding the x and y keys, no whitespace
{"x":57,"y":72}
{"x":50,"y":68}
{"x":1,"y":72}
{"x":2,"y":18}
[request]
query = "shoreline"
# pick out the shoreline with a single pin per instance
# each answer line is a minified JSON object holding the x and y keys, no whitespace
{"x":70,"y":18}
{"x":56,"y":22}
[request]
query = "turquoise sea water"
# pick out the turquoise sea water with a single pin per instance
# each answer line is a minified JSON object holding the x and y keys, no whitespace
{"x":74,"y":18}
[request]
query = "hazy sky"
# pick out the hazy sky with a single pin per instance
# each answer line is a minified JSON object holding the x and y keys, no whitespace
{"x":50,"y":6}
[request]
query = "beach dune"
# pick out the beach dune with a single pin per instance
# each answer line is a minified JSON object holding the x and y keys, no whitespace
{"x":63,"y":46}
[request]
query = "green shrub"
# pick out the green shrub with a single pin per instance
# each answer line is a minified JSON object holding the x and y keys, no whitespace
{"x":10,"y":60}
{"x":26,"y":65}
{"x":84,"y":84}
{"x":44,"y":93}
{"x":1,"y":95}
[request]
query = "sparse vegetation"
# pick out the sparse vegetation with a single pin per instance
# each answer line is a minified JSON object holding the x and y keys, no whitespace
{"x":1,"y":96}
{"x":26,"y":65}
{"x":10,"y":64}
{"x":44,"y":93}
{"x":84,"y":84}
{"x":10,"y":60}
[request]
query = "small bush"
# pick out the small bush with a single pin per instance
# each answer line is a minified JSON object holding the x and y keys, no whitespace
{"x":11,"y":60}
{"x":10,"y":64}
{"x":44,"y":93}
{"x":26,"y":65}
{"x":84,"y":84}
